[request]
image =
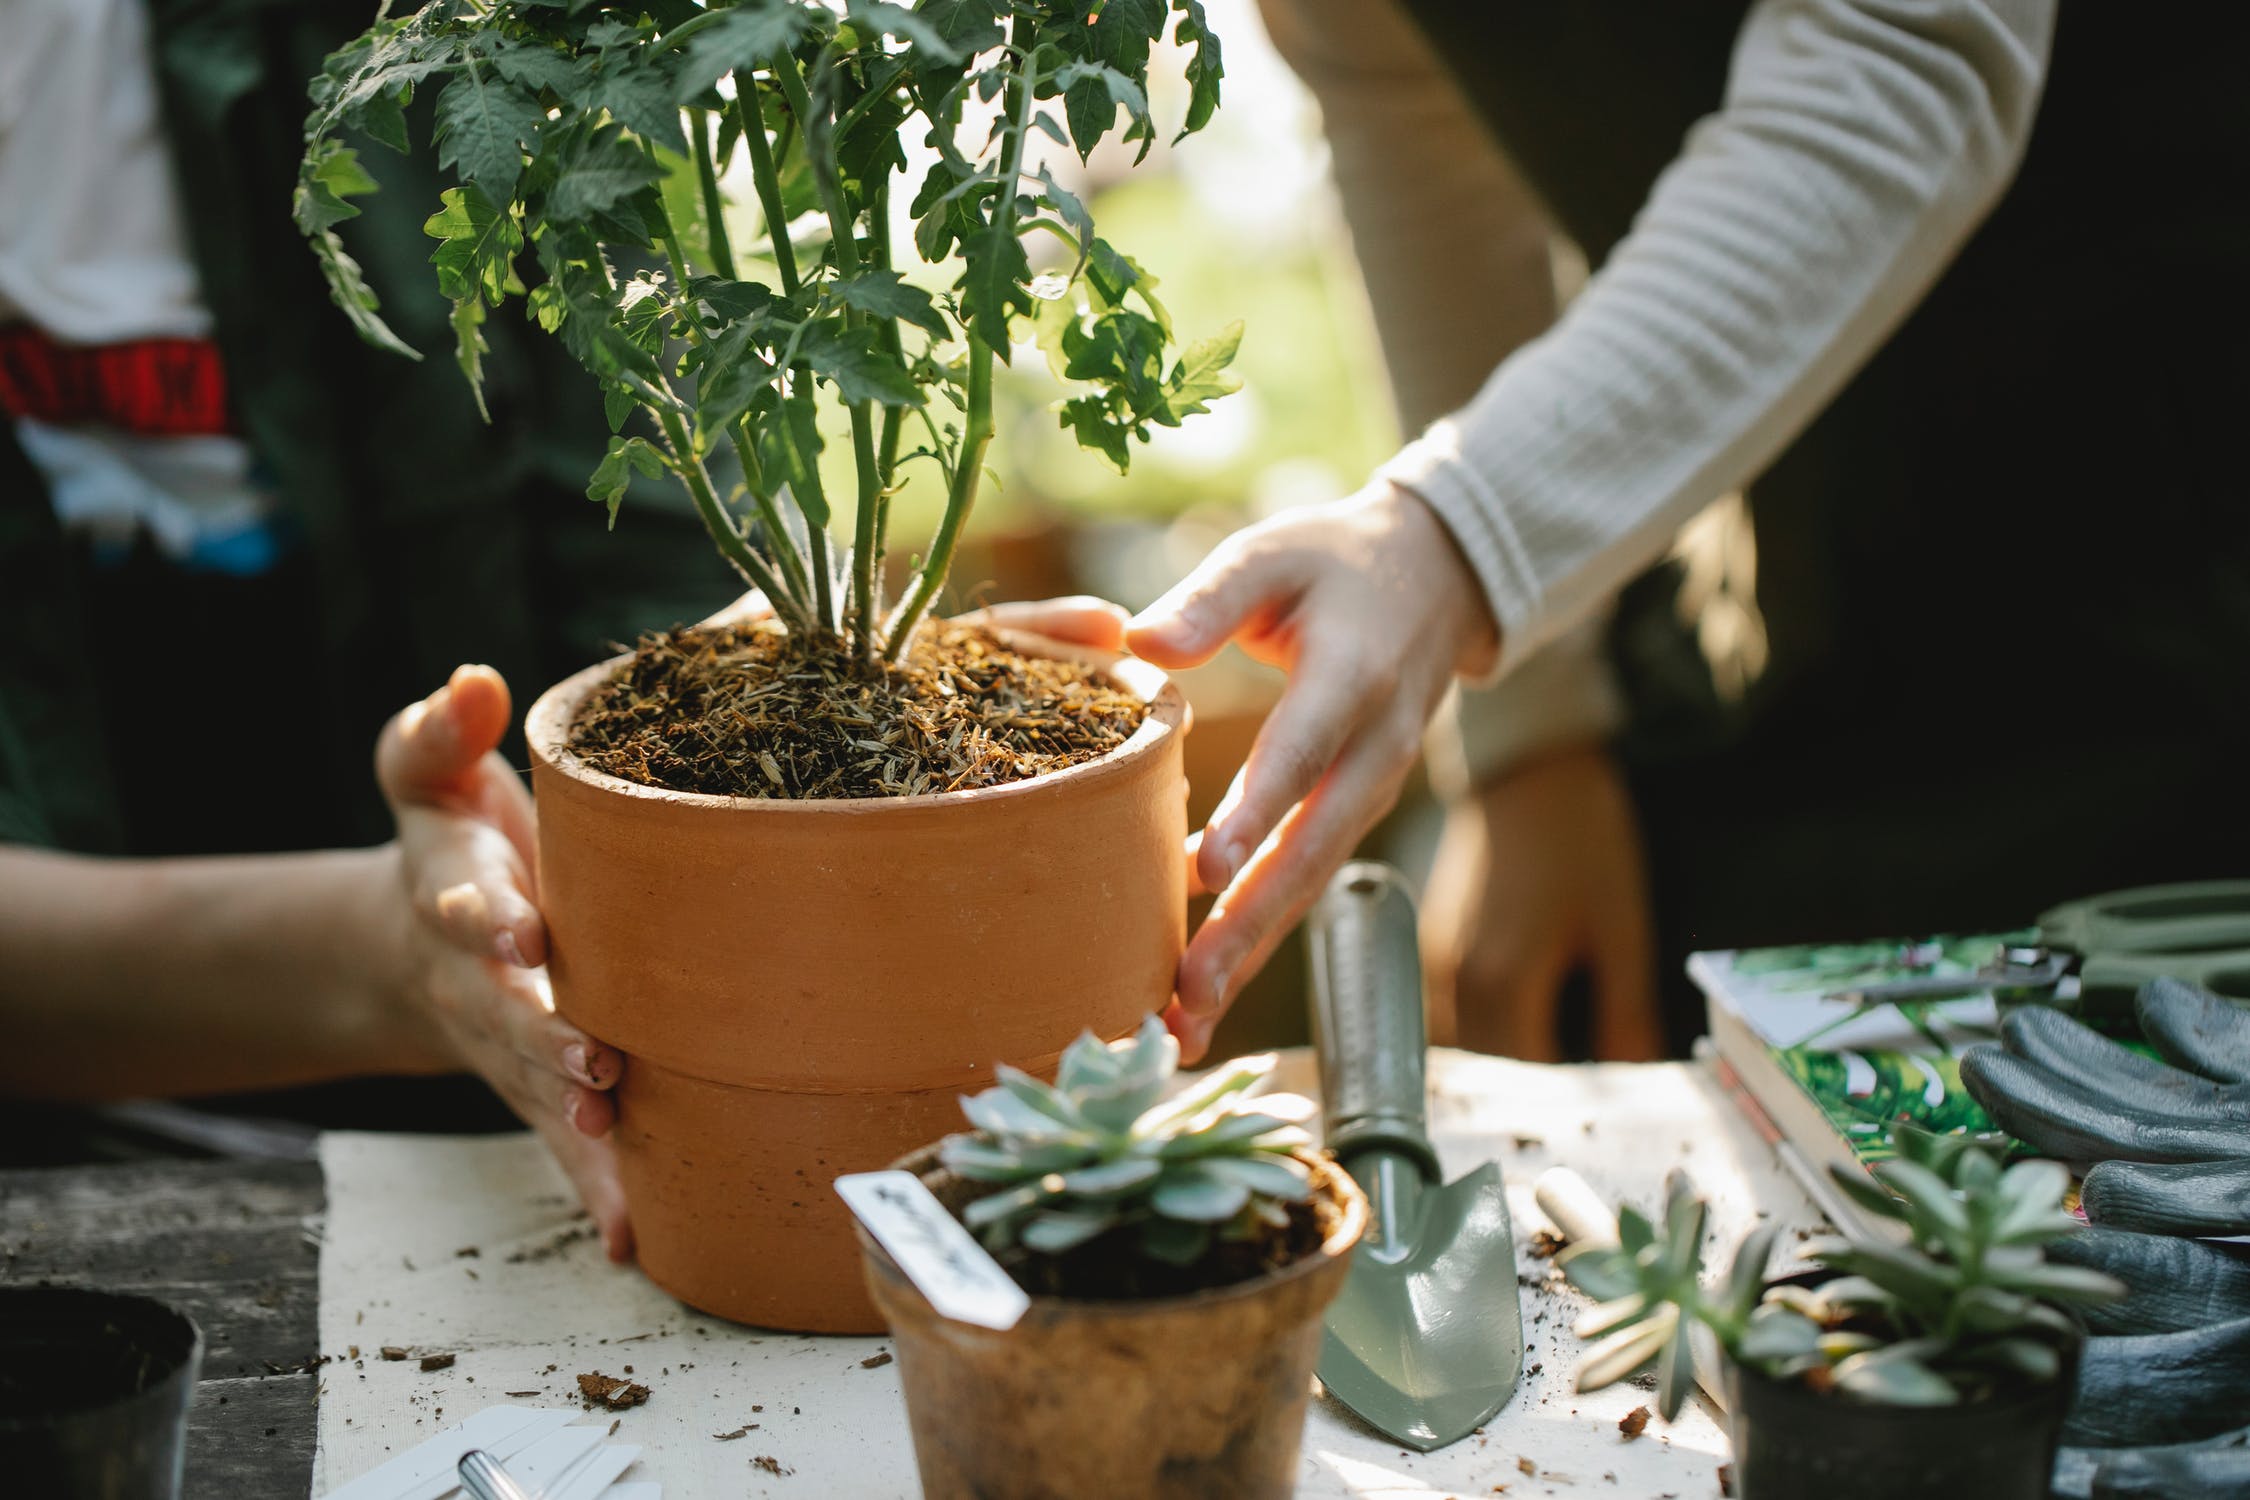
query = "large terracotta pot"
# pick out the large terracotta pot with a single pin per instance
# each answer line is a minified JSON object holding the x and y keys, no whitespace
{"x":1200,"y":1397}
{"x":805,"y":989}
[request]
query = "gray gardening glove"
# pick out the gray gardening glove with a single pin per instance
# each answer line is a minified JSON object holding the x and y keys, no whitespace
{"x":2216,"y":1469}
{"x":2169,"y":1145}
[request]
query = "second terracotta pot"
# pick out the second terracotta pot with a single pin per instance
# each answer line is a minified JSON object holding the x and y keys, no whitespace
{"x":805,"y":989}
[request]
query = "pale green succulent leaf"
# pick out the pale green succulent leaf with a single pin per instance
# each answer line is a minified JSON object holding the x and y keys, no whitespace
{"x":1111,"y":1178}
{"x":1266,"y":1174}
{"x":1626,"y":1350}
{"x":1191,"y":1191}
{"x":1056,"y":1230}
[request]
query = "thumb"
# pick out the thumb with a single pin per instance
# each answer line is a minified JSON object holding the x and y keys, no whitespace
{"x":429,"y":751}
{"x":1205,"y":610}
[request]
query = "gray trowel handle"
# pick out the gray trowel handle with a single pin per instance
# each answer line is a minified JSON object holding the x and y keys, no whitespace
{"x":1367,"y":1015}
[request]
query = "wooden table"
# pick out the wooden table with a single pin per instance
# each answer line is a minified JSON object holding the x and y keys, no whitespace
{"x":232,"y":1243}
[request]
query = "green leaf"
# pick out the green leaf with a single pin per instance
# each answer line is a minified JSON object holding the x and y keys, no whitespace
{"x":1089,"y":420}
{"x":2059,"y":1283}
{"x":1201,"y":376}
{"x":1867,"y":1193}
{"x":1204,"y":70}
{"x":1116,"y":34}
{"x":1279,"y":1177}
{"x":1775,"y":1335}
{"x":873,"y":17}
{"x":1175,"y":1242}
{"x":1603,"y":1272}
{"x":1191,"y":1191}
{"x":1093,"y":92}
{"x":1000,"y":1113}
{"x":984,"y":1161}
{"x":1111,"y":1179}
{"x":1041,"y":1096}
{"x":1930,"y":1204}
{"x":478,"y":244}
{"x":968,"y":26}
{"x":995,"y":280}
{"x":614,"y":474}
{"x":747,"y":37}
{"x":1205,"y":1094}
{"x":2029,"y":1358}
{"x":2030,"y":1196}
{"x":599,"y":172}
{"x":617,"y":405}
{"x":1675,"y":1370}
{"x":331,"y":173}
{"x":1056,"y":1230}
{"x":1895,"y":1376}
{"x":1747,"y":1276}
{"x":1906,"y":1273}
{"x":484,"y":126}
{"x":534,"y":65}
{"x":881,"y":293}
{"x":640,"y":91}
{"x":469,"y":350}
{"x":861,"y":369}
{"x":352,"y":293}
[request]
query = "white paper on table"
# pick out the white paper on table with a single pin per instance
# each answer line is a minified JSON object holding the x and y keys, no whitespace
{"x":540,"y":1449}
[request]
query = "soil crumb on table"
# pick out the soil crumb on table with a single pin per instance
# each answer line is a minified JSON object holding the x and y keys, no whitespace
{"x":609,"y":1392}
{"x":746,"y":711}
{"x":1633,"y":1423}
{"x":770,"y":1464}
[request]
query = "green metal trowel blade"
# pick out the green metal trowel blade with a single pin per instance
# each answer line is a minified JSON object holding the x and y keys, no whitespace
{"x":1425,"y":1342}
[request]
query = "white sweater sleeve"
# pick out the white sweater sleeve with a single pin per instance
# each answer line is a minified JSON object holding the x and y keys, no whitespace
{"x":1858,"y":145}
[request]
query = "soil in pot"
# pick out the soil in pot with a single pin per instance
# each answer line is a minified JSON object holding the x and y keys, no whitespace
{"x":747,"y":711}
{"x":94,"y":1392}
{"x":805,"y":985}
{"x":1133,"y":1390}
{"x":1791,"y":1440}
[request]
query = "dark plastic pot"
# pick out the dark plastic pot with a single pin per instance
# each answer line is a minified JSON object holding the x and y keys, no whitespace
{"x":1791,"y":1441}
{"x":94,"y":1392}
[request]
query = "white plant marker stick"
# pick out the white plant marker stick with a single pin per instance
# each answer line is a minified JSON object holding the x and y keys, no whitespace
{"x":1583,"y":1218}
{"x":934,"y":1249}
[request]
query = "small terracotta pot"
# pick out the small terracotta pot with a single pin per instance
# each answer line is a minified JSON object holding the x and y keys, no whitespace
{"x":1200,"y":1397}
{"x":805,"y":989}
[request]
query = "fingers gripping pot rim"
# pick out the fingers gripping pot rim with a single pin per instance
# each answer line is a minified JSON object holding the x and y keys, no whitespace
{"x":804,"y":989}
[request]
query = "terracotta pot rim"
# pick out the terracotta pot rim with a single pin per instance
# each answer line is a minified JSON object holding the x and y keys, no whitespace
{"x":547,"y":730}
{"x":1329,"y":1176}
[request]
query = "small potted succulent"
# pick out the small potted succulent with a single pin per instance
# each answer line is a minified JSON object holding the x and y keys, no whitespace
{"x":811,"y":872}
{"x":1940,"y":1366}
{"x":1179,"y":1253}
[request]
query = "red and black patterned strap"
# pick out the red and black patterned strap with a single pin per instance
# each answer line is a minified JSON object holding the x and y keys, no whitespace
{"x":154,"y":387}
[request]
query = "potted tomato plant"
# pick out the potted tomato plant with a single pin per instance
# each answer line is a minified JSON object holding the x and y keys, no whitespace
{"x":812,"y":872}
{"x":1178,"y":1253}
{"x":1942,"y":1366}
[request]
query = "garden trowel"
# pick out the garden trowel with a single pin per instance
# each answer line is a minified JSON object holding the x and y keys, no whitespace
{"x":1426,"y":1340}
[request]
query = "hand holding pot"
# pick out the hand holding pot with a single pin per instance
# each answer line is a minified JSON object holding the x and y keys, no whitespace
{"x":471,"y":945}
{"x":1539,"y":872}
{"x":1370,"y":608}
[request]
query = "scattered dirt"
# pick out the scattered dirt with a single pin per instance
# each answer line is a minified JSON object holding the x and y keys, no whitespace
{"x":876,"y":1361}
{"x":746,"y":711}
{"x":770,"y":1464}
{"x":1633,"y":1423}
{"x":1526,"y":1466}
{"x":1546,"y":1243}
{"x":437,"y":1362}
{"x":740,"y":1432}
{"x":1726,"y":1479}
{"x":609,"y":1392}
{"x":393,"y":1352}
{"x":552,"y":1246}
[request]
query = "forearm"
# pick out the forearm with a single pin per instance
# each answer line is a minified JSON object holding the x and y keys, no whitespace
{"x":132,"y":978}
{"x":1859,"y":143}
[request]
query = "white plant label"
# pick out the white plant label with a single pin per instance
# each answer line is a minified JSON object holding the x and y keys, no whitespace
{"x":934,"y":1249}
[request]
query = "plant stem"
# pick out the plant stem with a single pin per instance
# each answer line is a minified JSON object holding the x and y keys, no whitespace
{"x":784,"y":549}
{"x":768,"y":179}
{"x":714,"y":206}
{"x":960,"y":498}
{"x":731,"y":543}
{"x":976,"y":437}
{"x":820,"y":151}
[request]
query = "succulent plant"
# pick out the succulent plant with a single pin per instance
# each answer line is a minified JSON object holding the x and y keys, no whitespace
{"x":1969,"y":1303}
{"x":1101,"y":1149}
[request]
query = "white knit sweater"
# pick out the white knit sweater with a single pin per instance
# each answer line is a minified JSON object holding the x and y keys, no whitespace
{"x":1858,"y":145}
